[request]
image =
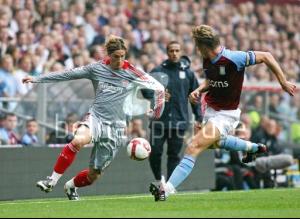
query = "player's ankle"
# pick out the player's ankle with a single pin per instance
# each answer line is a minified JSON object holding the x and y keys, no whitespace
{"x":169,"y":189}
{"x":70,"y":184}
{"x":55,"y":177}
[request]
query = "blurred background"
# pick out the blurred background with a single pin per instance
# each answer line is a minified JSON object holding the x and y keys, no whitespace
{"x":41,"y":36}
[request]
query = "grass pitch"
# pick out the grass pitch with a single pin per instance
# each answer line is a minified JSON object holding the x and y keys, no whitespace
{"x":256,"y":203}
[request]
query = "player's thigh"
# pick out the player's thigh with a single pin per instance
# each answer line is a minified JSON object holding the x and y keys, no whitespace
{"x":207,"y":136}
{"x":225,"y":120}
{"x":82,"y":136}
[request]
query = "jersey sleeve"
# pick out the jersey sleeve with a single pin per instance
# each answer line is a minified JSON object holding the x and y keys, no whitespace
{"x":240,"y":58}
{"x":83,"y":72}
{"x":144,"y":80}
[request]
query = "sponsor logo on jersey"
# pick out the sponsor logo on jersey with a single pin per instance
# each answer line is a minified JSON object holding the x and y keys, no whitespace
{"x":105,"y":87}
{"x":218,"y":84}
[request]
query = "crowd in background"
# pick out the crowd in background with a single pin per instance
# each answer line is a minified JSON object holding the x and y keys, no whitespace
{"x":37,"y":37}
{"x":41,"y":36}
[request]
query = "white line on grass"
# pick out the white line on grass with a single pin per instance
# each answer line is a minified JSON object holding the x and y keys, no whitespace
{"x":96,"y":199}
{"x":115,"y":198}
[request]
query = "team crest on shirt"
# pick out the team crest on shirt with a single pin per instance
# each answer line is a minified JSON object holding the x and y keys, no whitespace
{"x":222,"y":70}
{"x":182,"y":75}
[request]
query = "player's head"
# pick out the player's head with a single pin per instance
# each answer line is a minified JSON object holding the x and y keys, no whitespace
{"x":206,"y":39}
{"x":174,"y":51}
{"x":116,"y":50}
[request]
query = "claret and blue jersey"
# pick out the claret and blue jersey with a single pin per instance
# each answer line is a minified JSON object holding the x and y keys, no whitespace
{"x":226,"y":75}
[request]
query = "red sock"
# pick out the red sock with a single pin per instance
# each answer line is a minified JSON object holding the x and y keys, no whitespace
{"x":82,"y":179}
{"x":65,"y":158}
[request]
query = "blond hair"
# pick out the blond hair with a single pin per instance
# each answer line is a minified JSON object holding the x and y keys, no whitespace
{"x":114,"y":43}
{"x":205,"y":35}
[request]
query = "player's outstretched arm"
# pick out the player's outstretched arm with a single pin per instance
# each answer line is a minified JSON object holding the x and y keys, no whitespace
{"x":269,"y":60}
{"x":66,"y":75}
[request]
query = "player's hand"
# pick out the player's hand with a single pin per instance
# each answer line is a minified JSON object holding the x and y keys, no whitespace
{"x":289,"y":87}
{"x":167,"y":95}
{"x":197,"y":127}
{"x":27,"y":80}
{"x":150,"y":113}
{"x":195,"y":96}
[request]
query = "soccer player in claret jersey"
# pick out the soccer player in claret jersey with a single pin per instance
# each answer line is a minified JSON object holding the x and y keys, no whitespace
{"x":114,"y":79}
{"x":224,"y":70}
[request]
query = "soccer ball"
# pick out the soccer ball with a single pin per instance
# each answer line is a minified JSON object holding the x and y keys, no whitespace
{"x":138,"y":149}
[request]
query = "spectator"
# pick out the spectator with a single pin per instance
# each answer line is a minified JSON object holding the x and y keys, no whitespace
{"x":2,"y":88}
{"x":24,"y":70}
{"x":7,"y":133}
{"x":255,"y":111}
{"x":6,"y":75}
{"x":30,"y":138}
{"x":268,"y":136}
{"x":2,"y":121}
{"x":4,"y":40}
{"x":274,"y":104}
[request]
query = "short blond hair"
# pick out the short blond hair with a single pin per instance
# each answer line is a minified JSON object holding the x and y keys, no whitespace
{"x":205,"y":35}
{"x":114,"y":43}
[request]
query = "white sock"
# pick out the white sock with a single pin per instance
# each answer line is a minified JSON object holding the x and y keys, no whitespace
{"x":162,"y":180}
{"x":169,"y":188}
{"x":55,"y":177}
{"x":70,"y":184}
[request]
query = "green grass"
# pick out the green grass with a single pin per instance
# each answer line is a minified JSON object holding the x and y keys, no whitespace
{"x":257,"y":203}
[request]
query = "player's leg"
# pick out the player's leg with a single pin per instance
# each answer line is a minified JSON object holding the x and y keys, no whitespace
{"x":217,"y":124}
{"x":84,"y":178}
{"x":157,"y":140}
{"x":103,"y":152}
{"x":201,"y":141}
{"x":233,"y":143}
{"x":66,"y":158}
{"x":101,"y":157}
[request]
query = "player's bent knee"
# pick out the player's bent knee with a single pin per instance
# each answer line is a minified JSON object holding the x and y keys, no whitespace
{"x":83,"y":133}
{"x":194,"y":148}
{"x":81,"y":139}
{"x":80,"y":142}
{"x":191,"y":150}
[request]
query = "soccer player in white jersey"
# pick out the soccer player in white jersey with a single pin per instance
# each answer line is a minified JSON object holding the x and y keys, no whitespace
{"x":114,"y":79}
{"x":224,"y":70}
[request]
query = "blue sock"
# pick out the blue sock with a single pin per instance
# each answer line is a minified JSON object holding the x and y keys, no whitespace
{"x":232,"y":143}
{"x":182,"y":171}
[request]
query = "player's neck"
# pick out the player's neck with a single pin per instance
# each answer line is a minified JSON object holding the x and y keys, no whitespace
{"x":214,"y":53}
